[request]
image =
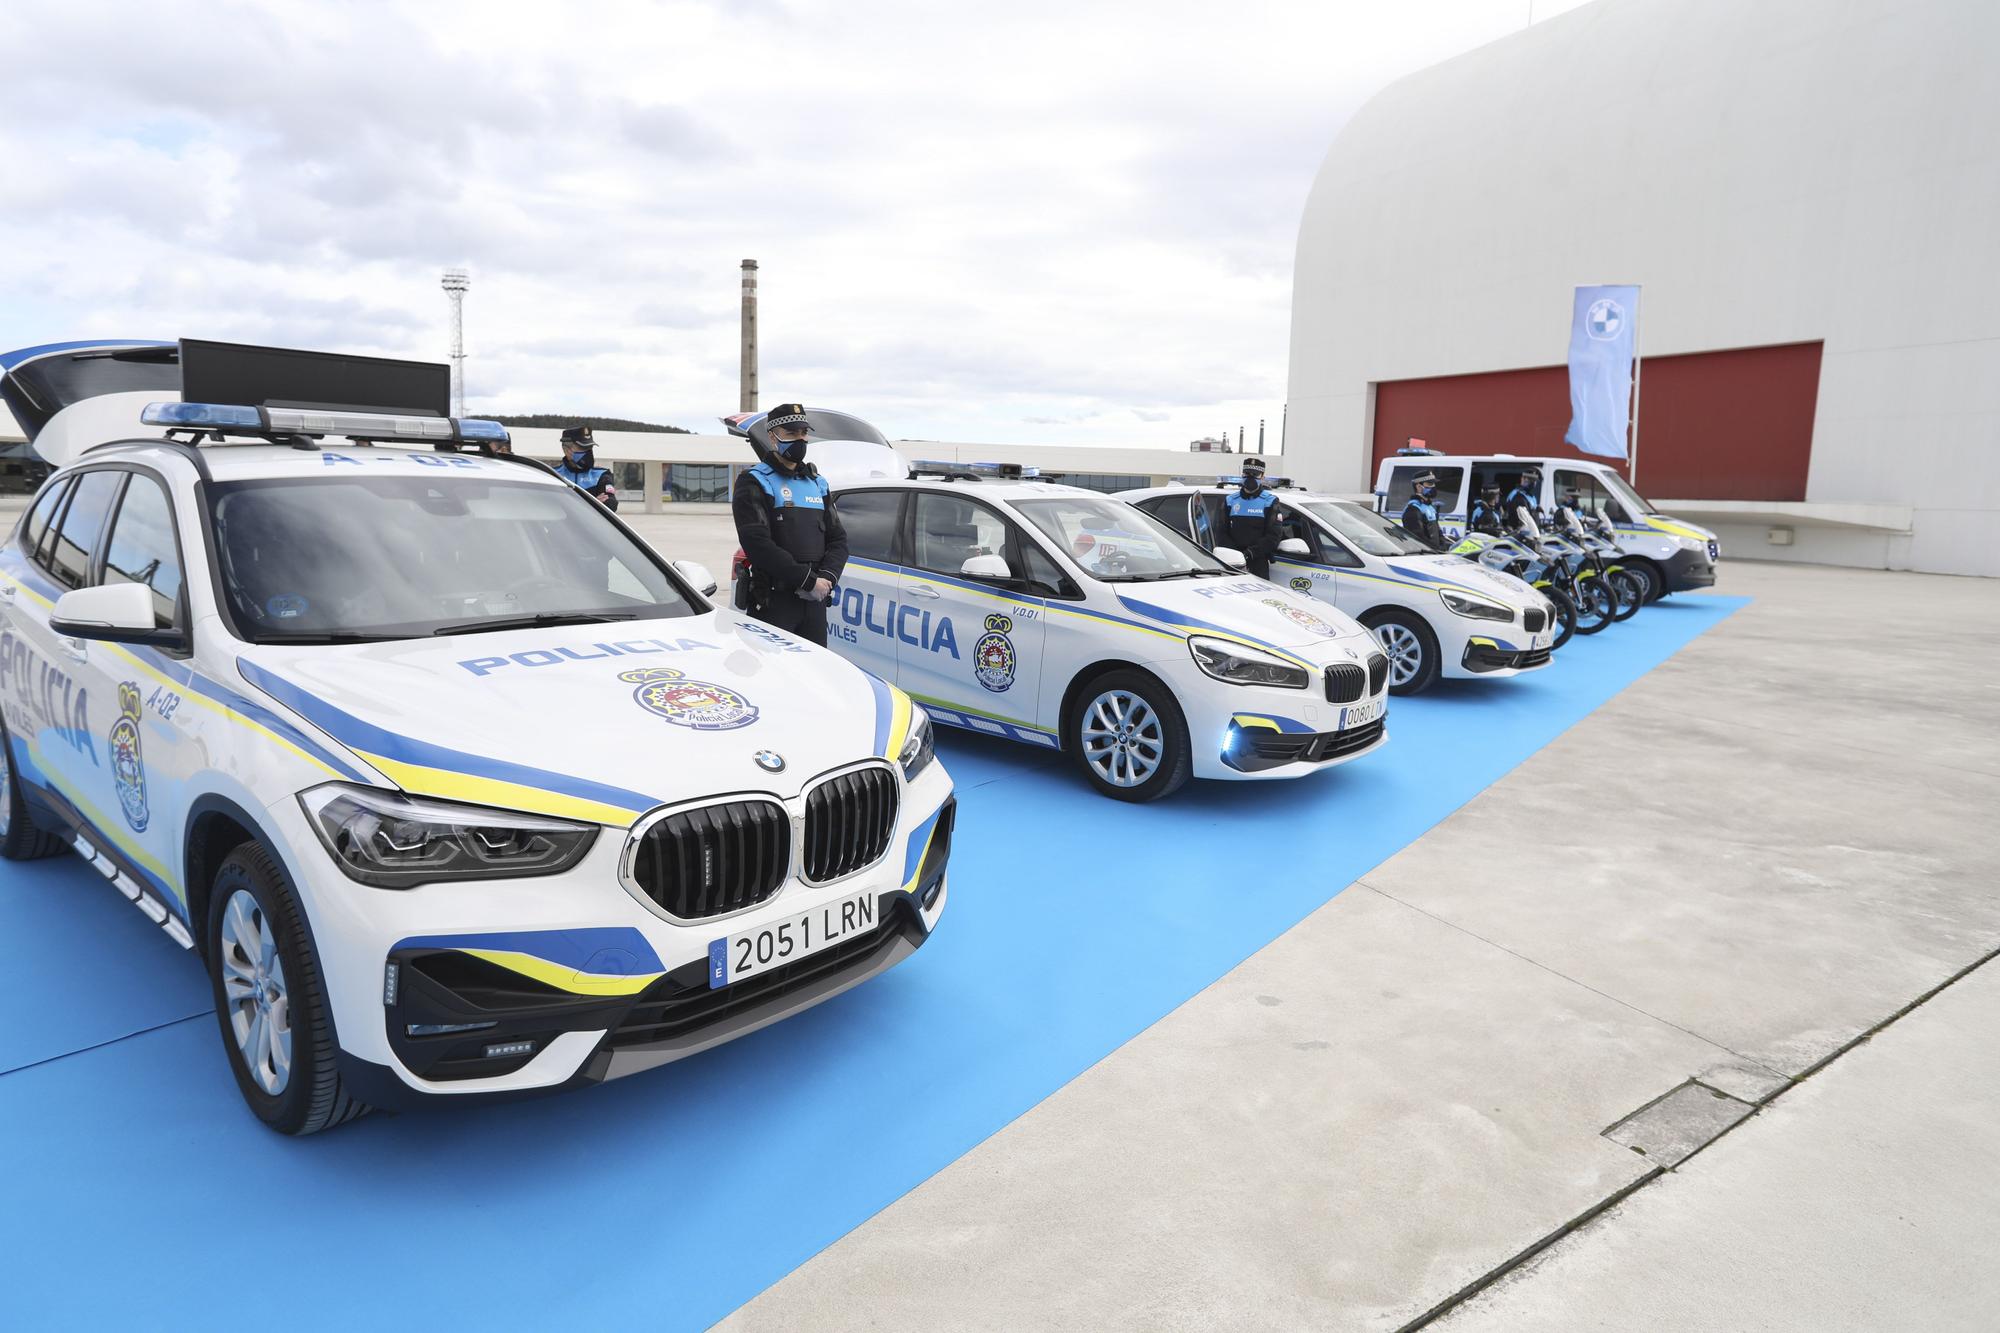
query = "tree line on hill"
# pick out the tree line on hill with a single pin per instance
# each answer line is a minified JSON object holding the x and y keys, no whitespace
{"x":563,"y":420}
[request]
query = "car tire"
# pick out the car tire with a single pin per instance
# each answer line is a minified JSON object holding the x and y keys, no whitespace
{"x":1415,"y":661}
{"x":1138,"y":710}
{"x":1631,"y":590}
{"x":1653,"y":585}
{"x":1565,"y":615}
{"x":21,"y":839}
{"x":270,"y":1005}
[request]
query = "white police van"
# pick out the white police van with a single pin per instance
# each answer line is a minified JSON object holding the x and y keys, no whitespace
{"x":1669,"y":554}
{"x":1434,"y":615}
{"x":457,"y":788}
{"x":1066,"y":620}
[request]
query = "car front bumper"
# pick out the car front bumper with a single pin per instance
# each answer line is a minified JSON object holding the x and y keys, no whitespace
{"x":506,"y":988}
{"x":1260,"y":732}
{"x":1686,"y":570}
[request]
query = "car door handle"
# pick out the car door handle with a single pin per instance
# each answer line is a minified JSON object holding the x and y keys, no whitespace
{"x":924,"y":590}
{"x":76,"y":649}
{"x":7,"y":593}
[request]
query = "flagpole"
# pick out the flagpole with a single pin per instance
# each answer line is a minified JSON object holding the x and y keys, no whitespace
{"x":1638,"y":363}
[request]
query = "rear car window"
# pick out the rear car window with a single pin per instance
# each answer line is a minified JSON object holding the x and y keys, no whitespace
{"x":38,"y":517}
{"x":870,"y":518}
{"x":76,"y":541}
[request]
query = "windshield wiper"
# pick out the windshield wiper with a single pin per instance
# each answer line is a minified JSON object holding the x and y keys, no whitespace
{"x":333,"y":636}
{"x":536,"y":621}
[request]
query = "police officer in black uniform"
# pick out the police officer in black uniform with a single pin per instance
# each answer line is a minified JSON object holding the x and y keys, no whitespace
{"x":1485,"y":513}
{"x":788,"y":529}
{"x":1524,"y":501}
{"x":1420,"y":515}
{"x":1254,"y":516}
{"x":579,"y":467}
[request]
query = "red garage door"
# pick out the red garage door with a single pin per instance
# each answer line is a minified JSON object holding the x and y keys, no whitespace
{"x":1734,"y":425}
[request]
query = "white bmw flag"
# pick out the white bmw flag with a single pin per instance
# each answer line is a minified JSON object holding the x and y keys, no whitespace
{"x":1601,"y":338}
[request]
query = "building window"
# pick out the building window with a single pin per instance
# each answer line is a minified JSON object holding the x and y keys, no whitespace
{"x":698,"y":483}
{"x":1107,"y":482}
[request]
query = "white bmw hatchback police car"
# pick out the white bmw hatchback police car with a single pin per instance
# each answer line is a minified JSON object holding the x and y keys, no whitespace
{"x":1066,"y":620}
{"x":1435,"y":615}
{"x":456,"y":786}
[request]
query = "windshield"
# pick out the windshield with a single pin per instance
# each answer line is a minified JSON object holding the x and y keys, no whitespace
{"x":1630,"y":498}
{"x":1369,"y":533}
{"x":1115,"y":542}
{"x":388,"y":557}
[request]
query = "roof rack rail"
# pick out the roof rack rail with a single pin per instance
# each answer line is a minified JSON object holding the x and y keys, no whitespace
{"x":1228,"y":479}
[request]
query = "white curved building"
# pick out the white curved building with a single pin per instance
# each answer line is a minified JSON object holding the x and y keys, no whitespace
{"x":1808,"y":192}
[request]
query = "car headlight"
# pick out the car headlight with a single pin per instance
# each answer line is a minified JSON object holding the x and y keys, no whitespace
{"x":1470,"y":604}
{"x":394,"y":841}
{"x":1691,"y":543}
{"x":919,"y":747}
{"x":1241,"y":665}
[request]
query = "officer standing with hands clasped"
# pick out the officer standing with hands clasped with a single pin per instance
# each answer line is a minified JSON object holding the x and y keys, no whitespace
{"x":1420,"y":515}
{"x":1254,"y":515}
{"x":787,"y":527}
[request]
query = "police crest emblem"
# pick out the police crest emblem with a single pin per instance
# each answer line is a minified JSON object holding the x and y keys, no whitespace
{"x":993,"y":655}
{"x":696,"y":704}
{"x":1300,"y":583}
{"x":1301,"y":617}
{"x":128,"y":764}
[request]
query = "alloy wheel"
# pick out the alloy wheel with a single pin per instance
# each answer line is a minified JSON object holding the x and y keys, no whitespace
{"x":1406,"y":654}
{"x":1122,"y":738}
{"x":253,"y":987}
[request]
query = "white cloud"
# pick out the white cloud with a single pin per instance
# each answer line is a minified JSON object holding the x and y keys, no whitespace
{"x":1010,"y":223}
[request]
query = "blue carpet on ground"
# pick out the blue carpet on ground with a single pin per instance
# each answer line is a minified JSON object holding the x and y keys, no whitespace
{"x":138,"y":1188}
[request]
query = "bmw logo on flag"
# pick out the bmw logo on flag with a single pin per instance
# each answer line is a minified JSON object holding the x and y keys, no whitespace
{"x":1604,"y":319}
{"x":770,"y":761}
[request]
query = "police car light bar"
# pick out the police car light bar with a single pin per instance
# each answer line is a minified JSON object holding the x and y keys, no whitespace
{"x":1420,"y":453}
{"x":1006,"y":471}
{"x":235,"y":419}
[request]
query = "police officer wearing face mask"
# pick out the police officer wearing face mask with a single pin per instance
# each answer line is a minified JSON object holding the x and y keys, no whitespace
{"x":1485,"y":513}
{"x":1523,"y":501}
{"x":788,"y":529}
{"x":579,"y":467}
{"x":1420,"y":515}
{"x":1254,"y":516}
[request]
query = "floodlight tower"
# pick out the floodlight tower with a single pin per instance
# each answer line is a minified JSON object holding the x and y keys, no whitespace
{"x":456,"y":280}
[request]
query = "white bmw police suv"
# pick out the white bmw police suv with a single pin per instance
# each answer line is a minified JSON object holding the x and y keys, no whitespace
{"x":455,"y":786}
{"x":1067,"y":620}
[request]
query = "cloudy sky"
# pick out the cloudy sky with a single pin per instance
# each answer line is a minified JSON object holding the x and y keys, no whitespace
{"x":1068,"y":222}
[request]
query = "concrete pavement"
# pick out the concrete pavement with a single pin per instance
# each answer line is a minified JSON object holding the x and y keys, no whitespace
{"x":1749,"y":858}
{"x":1862,"y":1199}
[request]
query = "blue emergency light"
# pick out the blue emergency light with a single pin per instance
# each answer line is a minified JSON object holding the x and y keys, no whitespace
{"x":233,"y":418}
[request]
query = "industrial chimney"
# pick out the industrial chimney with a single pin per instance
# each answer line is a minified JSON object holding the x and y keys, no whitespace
{"x":747,"y":388}
{"x":456,"y":280}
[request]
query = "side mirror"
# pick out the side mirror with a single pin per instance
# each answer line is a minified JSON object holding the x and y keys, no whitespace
{"x":696,"y":573}
{"x":1294,"y":546}
{"x":1230,"y":556}
{"x":986,"y":567}
{"x":114,"y":613}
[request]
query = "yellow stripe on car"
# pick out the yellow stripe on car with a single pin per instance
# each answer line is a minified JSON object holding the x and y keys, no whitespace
{"x":447,"y":785}
{"x":565,"y":978}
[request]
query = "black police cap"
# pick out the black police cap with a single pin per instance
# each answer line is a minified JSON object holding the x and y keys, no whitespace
{"x":577,"y":435}
{"x":787,"y":414}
